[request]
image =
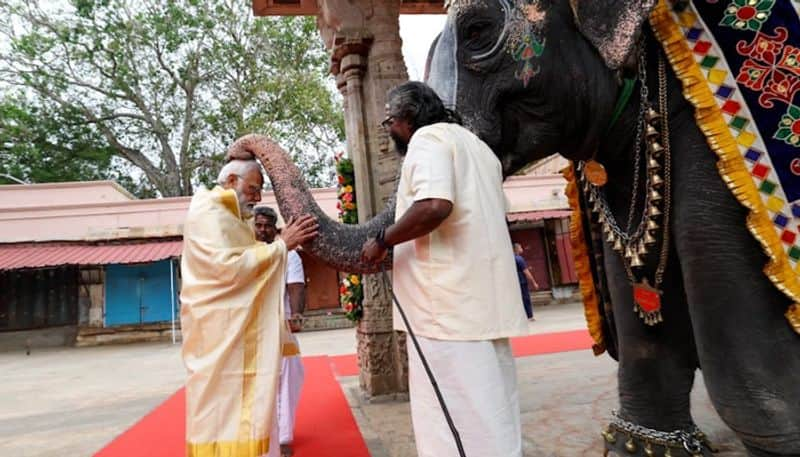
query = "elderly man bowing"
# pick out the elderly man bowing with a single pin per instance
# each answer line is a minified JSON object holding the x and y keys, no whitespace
{"x":231,"y":298}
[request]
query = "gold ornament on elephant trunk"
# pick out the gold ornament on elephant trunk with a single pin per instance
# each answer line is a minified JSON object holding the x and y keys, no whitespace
{"x":634,"y":242}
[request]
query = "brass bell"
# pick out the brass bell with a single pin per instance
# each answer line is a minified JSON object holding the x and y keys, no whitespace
{"x":642,"y":249}
{"x":609,"y":436}
{"x":610,"y":238}
{"x":651,"y":132}
{"x":654,"y":195}
{"x":648,"y":450}
{"x":652,"y":225}
{"x":596,"y":207}
{"x":652,"y":164}
{"x":591,"y":197}
{"x":628,"y":252}
{"x":657,"y":181}
{"x":618,"y":245}
{"x":655,"y":148}
{"x":636,"y":261}
{"x":653,"y":211}
{"x":652,"y":115}
{"x":630,"y":445}
{"x":648,"y":238}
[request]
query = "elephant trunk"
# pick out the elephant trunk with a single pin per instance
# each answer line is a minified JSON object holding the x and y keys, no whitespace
{"x":338,"y":245}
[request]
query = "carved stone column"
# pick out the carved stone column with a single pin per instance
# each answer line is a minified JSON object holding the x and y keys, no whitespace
{"x":364,"y":38}
{"x":349,"y":63}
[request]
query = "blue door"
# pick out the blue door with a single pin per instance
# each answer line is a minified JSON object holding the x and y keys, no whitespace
{"x":138,"y":294}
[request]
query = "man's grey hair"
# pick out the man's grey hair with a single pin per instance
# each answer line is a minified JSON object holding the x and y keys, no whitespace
{"x":238,"y":168}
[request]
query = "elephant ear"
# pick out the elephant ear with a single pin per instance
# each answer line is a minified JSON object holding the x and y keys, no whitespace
{"x":612,"y":26}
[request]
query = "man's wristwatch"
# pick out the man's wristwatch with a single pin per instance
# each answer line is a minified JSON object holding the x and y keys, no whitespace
{"x":380,"y":241}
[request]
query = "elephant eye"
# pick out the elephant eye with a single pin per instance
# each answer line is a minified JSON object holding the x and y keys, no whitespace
{"x":474,"y":31}
{"x":482,"y":31}
{"x":478,"y":36}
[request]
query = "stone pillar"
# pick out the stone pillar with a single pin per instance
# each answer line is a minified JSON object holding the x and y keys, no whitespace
{"x":349,"y":63}
{"x":364,"y":39}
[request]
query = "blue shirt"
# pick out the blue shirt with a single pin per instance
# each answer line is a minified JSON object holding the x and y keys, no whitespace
{"x":521,"y":266}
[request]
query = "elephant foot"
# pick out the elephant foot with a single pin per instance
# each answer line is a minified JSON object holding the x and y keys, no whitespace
{"x":625,"y":438}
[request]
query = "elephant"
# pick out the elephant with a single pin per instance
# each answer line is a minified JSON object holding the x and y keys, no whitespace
{"x":534,"y":78}
{"x":537,"y":77}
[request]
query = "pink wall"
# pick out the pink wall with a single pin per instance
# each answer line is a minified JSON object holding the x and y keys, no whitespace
{"x":102,"y":210}
{"x":68,"y":193}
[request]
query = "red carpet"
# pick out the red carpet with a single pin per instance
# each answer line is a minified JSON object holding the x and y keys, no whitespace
{"x":158,"y":434}
{"x":325,"y":426}
{"x":523,"y":346}
{"x":549,"y":343}
{"x":345,"y":365}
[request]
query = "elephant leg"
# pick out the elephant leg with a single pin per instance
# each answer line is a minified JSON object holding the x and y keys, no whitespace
{"x":656,"y":363}
{"x":749,"y":356}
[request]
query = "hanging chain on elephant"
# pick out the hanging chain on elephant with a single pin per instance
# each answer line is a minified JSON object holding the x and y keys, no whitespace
{"x":647,"y":298}
{"x":634,"y":244}
{"x":644,"y":94}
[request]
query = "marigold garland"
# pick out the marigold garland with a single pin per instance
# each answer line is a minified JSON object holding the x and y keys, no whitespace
{"x":351,"y":291}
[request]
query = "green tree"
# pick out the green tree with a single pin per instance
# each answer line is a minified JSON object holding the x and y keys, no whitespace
{"x":167,"y":85}
{"x":39,"y":144}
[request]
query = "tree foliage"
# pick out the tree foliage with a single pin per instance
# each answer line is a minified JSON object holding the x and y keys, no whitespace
{"x":38,"y":145}
{"x":164,"y":85}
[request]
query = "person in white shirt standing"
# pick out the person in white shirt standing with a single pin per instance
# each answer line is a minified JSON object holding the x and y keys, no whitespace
{"x":454,"y":277}
{"x":292,"y":373}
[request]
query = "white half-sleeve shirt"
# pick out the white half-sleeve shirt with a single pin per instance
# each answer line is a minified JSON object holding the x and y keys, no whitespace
{"x":294,"y":275}
{"x":459,"y":282}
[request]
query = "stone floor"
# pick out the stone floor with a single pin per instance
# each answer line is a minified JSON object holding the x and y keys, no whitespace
{"x":72,"y":401}
{"x":566,"y":400}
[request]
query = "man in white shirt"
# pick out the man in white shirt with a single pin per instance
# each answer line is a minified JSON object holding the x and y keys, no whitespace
{"x":292,"y":373}
{"x":454,"y":277}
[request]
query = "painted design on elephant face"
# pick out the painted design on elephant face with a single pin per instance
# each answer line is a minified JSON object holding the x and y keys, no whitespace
{"x":520,"y":36}
{"x":525,"y":52}
{"x":524,"y":38}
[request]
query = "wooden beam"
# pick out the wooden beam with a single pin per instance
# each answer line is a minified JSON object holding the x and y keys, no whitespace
{"x":309,"y":7}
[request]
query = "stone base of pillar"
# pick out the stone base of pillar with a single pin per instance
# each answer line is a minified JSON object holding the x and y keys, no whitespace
{"x":379,"y":357}
{"x":401,"y":360}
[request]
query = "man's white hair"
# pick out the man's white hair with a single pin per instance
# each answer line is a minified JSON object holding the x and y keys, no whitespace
{"x":238,"y":168}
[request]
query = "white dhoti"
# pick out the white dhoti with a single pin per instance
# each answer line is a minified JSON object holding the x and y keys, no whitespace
{"x":291,"y":382}
{"x":274,"y":447}
{"x":478,"y":381}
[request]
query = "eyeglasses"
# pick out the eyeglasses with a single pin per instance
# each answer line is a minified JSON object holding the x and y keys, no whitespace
{"x":251,"y":188}
{"x":386,"y":123}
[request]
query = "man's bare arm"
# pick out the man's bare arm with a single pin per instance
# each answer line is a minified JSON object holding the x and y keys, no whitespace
{"x":297,"y":297}
{"x":419,"y":220}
